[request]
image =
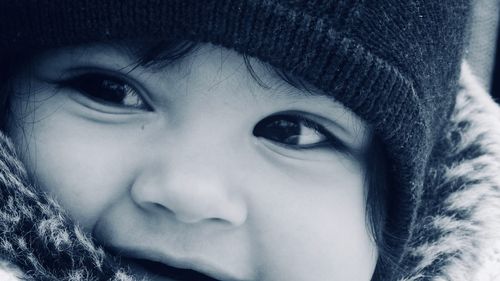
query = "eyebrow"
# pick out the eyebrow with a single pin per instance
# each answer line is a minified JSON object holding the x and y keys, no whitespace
{"x":283,"y":82}
{"x":156,"y":55}
{"x":282,"y":88}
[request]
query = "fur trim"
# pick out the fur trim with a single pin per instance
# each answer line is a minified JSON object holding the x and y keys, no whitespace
{"x":459,"y":230}
{"x":9,"y":272}
{"x":487,"y":211}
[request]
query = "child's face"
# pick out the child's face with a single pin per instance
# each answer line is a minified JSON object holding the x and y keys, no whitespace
{"x":197,"y":166}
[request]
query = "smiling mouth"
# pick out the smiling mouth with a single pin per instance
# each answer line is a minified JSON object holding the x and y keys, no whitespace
{"x":167,"y":271}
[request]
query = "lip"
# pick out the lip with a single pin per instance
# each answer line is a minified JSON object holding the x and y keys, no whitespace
{"x":165,"y":272}
{"x":190,"y":269}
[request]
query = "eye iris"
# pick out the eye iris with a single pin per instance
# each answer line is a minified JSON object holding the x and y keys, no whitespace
{"x":289,"y":130}
{"x":283,"y":131}
{"x":130,"y":97}
{"x":111,"y":90}
{"x":107,"y":89}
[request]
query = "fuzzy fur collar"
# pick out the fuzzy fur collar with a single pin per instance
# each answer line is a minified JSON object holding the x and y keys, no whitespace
{"x":457,"y":237}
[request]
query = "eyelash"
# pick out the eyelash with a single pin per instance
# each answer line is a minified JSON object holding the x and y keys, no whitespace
{"x":108,"y":90}
{"x":264,"y":129}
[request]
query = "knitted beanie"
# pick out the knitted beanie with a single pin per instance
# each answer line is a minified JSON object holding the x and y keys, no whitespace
{"x":394,"y":63}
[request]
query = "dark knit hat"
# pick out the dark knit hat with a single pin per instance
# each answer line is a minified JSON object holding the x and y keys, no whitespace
{"x":393,"y":62}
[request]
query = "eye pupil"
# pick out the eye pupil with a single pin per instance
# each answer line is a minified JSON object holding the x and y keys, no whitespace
{"x":112,"y":86}
{"x":112,"y":90}
{"x":284,"y":131}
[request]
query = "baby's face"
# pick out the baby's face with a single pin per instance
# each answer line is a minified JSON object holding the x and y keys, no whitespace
{"x":195,"y":165}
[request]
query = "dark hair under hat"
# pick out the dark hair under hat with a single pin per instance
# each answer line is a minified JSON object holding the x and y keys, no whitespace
{"x":394,"y":63}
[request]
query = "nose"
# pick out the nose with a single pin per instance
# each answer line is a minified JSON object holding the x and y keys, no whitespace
{"x":191,"y":186}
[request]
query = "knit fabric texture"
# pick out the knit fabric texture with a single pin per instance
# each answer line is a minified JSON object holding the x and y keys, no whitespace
{"x":394,"y":63}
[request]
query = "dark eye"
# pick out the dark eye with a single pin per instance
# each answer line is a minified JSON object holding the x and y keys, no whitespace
{"x":107,"y":89}
{"x":296,"y":132}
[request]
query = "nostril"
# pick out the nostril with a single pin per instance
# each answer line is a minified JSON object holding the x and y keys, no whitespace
{"x":219,"y":220}
{"x":154,"y":207}
{"x":161,"y":207}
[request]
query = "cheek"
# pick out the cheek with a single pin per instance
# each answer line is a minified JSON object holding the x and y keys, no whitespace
{"x":75,"y":162}
{"x":312,"y":223}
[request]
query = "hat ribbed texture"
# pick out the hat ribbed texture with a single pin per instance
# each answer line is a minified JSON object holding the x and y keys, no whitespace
{"x":392,"y":62}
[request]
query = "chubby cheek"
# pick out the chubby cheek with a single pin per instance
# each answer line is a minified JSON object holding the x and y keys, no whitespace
{"x":310,"y":223}
{"x":84,"y":167}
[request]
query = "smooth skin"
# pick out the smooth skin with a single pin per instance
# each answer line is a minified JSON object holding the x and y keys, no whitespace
{"x":185,"y":168}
